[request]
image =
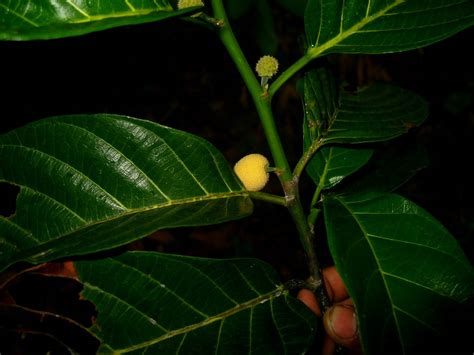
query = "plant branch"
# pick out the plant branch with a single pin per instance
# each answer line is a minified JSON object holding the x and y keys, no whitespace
{"x":262,"y":100}
{"x":288,"y":73}
{"x":306,"y":157}
{"x":259,"y":97}
{"x":263,"y":196}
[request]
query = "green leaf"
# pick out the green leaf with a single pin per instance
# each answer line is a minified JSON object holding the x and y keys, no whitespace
{"x":330,"y":165}
{"x":46,"y":19}
{"x":376,"y":113}
{"x":361,"y":26}
{"x":388,"y":170}
{"x":403,"y":269}
{"x":94,"y":182}
{"x":320,"y":102}
{"x":163,"y":304}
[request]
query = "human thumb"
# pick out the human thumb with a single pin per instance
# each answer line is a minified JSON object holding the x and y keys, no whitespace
{"x":341,"y":325}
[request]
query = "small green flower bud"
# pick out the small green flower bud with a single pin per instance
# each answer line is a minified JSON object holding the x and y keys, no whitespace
{"x":267,"y":66}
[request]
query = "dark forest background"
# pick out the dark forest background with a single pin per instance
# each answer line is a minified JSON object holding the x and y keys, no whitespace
{"x":179,"y":75}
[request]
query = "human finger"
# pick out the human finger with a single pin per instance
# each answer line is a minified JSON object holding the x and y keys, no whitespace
{"x":334,"y":287}
{"x":340,"y":323}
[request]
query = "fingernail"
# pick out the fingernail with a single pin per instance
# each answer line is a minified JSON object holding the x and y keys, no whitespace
{"x":340,"y":322}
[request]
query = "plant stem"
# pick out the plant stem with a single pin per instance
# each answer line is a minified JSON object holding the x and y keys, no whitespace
{"x":308,"y":154}
{"x":259,"y":97}
{"x":262,"y":100}
{"x":288,"y":73}
{"x":278,"y":200}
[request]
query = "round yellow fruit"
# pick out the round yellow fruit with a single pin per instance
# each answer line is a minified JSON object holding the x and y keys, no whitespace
{"x":252,"y":171}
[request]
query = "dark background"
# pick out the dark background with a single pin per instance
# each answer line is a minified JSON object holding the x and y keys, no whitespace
{"x":179,"y":75}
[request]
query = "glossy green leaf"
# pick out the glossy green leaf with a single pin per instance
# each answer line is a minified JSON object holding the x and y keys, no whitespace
{"x":320,"y":102}
{"x":376,"y":113}
{"x":404,"y":270}
{"x":94,"y":182}
{"x":321,"y":106}
{"x":361,"y":26}
{"x":170,"y":304}
{"x":46,"y":19}
{"x":330,"y":165}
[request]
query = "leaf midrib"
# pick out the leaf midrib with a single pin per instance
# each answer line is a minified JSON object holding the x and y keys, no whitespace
{"x":314,"y":52}
{"x":95,"y":18}
{"x":379,"y":270}
{"x":183,"y":201}
{"x":278,"y":292}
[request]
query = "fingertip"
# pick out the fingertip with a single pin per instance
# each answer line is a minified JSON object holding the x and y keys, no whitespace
{"x":335,"y":286}
{"x":308,"y":298}
{"x":341,"y":325}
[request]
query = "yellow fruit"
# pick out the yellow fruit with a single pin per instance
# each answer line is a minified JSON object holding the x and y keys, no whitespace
{"x":252,"y":171}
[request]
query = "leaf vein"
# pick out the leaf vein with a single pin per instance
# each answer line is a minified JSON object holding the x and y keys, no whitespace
{"x":239,"y":308}
{"x":78,"y":9}
{"x":178,"y":158}
{"x":21,"y":17}
{"x":415,"y":318}
{"x":99,"y":138}
{"x":121,"y":300}
{"x":79,"y":173}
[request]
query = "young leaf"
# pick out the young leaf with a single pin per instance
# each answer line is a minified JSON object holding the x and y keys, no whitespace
{"x":94,"y":182}
{"x":405,"y":272}
{"x":379,"y":112}
{"x":361,"y":26}
{"x":375,"y":113}
{"x":46,"y":19}
{"x":321,"y":104}
{"x":159,"y":303}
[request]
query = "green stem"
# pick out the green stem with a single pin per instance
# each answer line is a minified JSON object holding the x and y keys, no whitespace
{"x":308,"y":154}
{"x":278,"y":200}
{"x":288,"y":73}
{"x":259,"y":97}
{"x":262,"y":102}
